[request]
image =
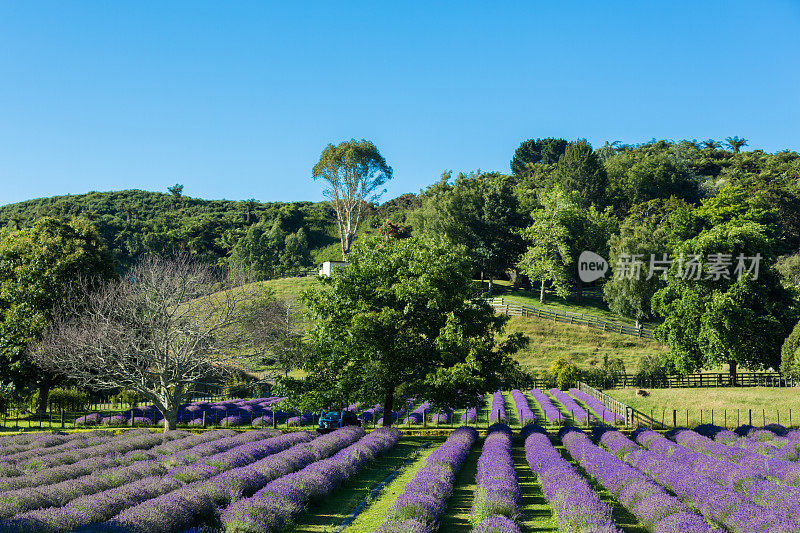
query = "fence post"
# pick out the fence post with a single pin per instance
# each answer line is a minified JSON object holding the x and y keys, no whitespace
{"x":62,"y":418}
{"x":750,"y":417}
{"x":674,"y":418}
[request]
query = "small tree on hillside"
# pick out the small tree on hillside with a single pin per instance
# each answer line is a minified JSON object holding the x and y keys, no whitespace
{"x":400,"y":322}
{"x":355,"y":172}
{"x":548,"y":256}
{"x":165,"y":326}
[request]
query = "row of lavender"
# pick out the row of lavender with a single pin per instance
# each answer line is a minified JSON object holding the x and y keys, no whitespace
{"x":263,"y":412}
{"x":180,"y":480}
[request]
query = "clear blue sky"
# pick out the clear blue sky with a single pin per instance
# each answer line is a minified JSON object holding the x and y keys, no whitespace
{"x":237,"y":99}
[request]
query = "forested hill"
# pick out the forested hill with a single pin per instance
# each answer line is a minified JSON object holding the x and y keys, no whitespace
{"x":274,"y":237}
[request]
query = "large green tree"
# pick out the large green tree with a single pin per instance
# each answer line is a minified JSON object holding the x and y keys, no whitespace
{"x":533,"y":151}
{"x":711,"y":318}
{"x":478,"y":211}
{"x":399,"y":322}
{"x":644,"y":235}
{"x":38,"y":265}
{"x":548,"y":258}
{"x":581,"y":173}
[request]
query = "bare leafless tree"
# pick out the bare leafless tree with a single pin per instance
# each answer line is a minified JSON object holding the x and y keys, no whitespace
{"x":164,"y":326}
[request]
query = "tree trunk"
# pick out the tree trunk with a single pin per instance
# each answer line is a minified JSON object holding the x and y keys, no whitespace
{"x":388,"y":407}
{"x":638,"y":324}
{"x":541,"y":293}
{"x":491,"y":285}
{"x":44,"y":394}
{"x":580,"y":291}
{"x":170,"y":420}
{"x":733,"y":365}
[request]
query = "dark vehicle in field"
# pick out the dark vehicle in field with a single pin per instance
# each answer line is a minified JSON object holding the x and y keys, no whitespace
{"x":328,"y":421}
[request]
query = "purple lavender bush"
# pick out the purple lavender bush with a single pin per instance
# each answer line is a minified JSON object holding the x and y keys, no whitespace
{"x":551,"y":412}
{"x":470,"y":416}
{"x":179,"y":509}
{"x":497,"y":490}
{"x":602,"y":412}
{"x":424,"y":499}
{"x":786,"y":471}
{"x":719,"y":504}
{"x":745,"y":480}
{"x":92,"y":419}
{"x":578,"y":413}
{"x":646,"y":500}
{"x":415,"y":416}
{"x":524,"y":413}
{"x":271,"y":508}
{"x":576,"y":506}
{"x":498,"y":413}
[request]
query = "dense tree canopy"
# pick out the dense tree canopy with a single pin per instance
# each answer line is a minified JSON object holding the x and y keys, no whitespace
{"x":479,"y":212}
{"x":713,"y":315}
{"x":38,"y":265}
{"x":400,"y":322}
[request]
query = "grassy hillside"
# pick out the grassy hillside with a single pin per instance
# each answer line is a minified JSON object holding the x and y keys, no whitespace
{"x":592,"y":303}
{"x":549,"y":340}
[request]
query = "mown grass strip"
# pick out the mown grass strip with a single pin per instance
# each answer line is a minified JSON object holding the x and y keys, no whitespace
{"x":456,"y":517}
{"x":536,"y":513}
{"x":326,"y":515}
{"x":375,"y":513}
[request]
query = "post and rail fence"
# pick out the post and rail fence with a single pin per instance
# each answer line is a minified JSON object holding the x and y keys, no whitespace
{"x":501,"y":305}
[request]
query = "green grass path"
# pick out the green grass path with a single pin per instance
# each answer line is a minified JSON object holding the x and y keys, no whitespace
{"x":374,"y":514}
{"x":456,"y":517}
{"x":326,"y":515}
{"x":536,"y":513}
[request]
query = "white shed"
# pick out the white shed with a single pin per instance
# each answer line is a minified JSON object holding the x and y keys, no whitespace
{"x":327,"y":267}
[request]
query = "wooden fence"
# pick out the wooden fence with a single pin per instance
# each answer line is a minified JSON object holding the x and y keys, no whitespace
{"x":502,"y":305}
{"x":632,"y":417}
{"x":707,"y":379}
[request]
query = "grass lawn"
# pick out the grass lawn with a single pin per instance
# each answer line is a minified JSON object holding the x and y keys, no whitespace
{"x":768,"y":404}
{"x":551,"y":340}
{"x":592,"y":304}
{"x":536,"y":513}
{"x":375,"y":513}
{"x":456,"y":516}
{"x":329,"y":513}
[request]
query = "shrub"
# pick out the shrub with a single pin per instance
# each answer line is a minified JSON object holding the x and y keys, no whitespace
{"x":563,"y":374}
{"x":67,"y":399}
{"x":128,"y":397}
{"x":651,"y":369}
{"x":790,"y":353}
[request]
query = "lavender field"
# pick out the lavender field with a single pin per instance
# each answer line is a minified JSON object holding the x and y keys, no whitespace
{"x":472,"y":479}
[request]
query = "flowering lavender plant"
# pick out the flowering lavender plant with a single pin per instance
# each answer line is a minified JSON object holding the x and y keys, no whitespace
{"x":497,"y":490}
{"x":577,"y":412}
{"x":271,"y":508}
{"x":717,"y":503}
{"x":576,"y":505}
{"x":647,"y":501}
{"x":551,"y":413}
{"x":524,"y":413}
{"x":423,"y":501}
{"x":498,"y":413}
{"x":179,"y":509}
{"x":594,"y":404}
